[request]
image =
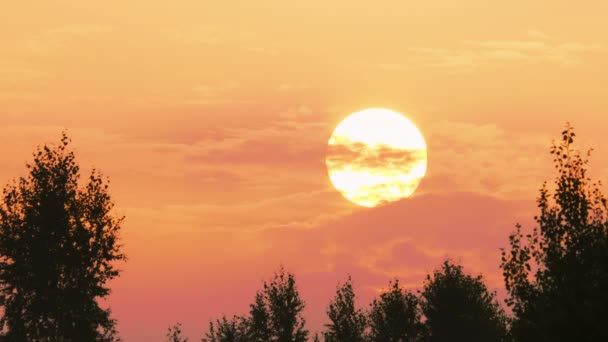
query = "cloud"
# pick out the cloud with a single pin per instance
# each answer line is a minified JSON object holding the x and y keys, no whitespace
{"x":208,"y":36}
{"x":59,"y":39}
{"x":394,"y":66}
{"x":289,"y":87}
{"x":20,"y":75}
{"x":264,"y":50}
{"x":537,"y":48}
{"x":199,"y":35}
{"x":536,"y":34}
{"x":386,"y":159}
{"x":369,"y":175}
{"x":485,"y":158}
{"x":296,"y":139}
{"x":203,"y":94}
{"x":406,"y":239}
{"x":297,"y":211}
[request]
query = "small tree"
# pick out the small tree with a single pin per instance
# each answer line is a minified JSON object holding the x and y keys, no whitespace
{"x":557,"y":276}
{"x":459,"y":307}
{"x":259,"y":329}
{"x":348,"y":323}
{"x":395,"y":317}
{"x":228,"y":330}
{"x":284,"y":306}
{"x":275,"y":316}
{"x":58,"y":242}
{"x":174,"y":334}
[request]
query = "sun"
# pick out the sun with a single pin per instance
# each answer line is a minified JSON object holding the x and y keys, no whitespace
{"x":376,"y":156}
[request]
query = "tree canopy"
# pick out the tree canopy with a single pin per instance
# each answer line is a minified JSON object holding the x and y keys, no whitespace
{"x":347,"y":323}
{"x":395,"y":317}
{"x":459,"y":307}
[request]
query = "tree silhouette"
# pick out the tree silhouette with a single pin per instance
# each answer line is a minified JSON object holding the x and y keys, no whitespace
{"x":281,"y":301}
{"x":395,"y":317}
{"x":557,"y":276}
{"x":174,"y":334}
{"x":228,"y":330}
{"x":259,"y":329}
{"x":58,"y":242}
{"x":459,"y":307}
{"x":275,"y":316}
{"x":348,"y":324}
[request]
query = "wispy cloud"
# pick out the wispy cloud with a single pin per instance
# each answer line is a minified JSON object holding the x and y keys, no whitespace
{"x":203,"y":94}
{"x":536,"y":34}
{"x":537,"y":47}
{"x":478,"y":53}
{"x":208,"y":36}
{"x":199,"y":35}
{"x":475,"y":157}
{"x":60,"y":38}
{"x":289,"y":87}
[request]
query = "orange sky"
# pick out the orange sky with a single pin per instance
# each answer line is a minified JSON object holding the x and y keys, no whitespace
{"x":212,"y":117}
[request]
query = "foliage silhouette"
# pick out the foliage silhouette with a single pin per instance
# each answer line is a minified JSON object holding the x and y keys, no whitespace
{"x":174,"y":334}
{"x":259,"y":322}
{"x":58,"y":242}
{"x":225,"y":330}
{"x":284,"y":305}
{"x":275,"y":316}
{"x":395,"y":317}
{"x":557,"y":276}
{"x":348,"y":324}
{"x":459,"y":307}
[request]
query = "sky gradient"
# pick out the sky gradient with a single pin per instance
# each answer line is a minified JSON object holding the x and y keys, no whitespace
{"x":211,"y":118}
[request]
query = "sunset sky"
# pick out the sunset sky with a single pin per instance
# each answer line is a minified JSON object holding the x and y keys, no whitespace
{"x":212,"y":118}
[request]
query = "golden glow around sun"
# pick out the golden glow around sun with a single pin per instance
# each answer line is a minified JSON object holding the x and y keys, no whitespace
{"x":376,"y":156}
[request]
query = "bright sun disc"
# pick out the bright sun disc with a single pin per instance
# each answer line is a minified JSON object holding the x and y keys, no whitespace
{"x":376,"y":156}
